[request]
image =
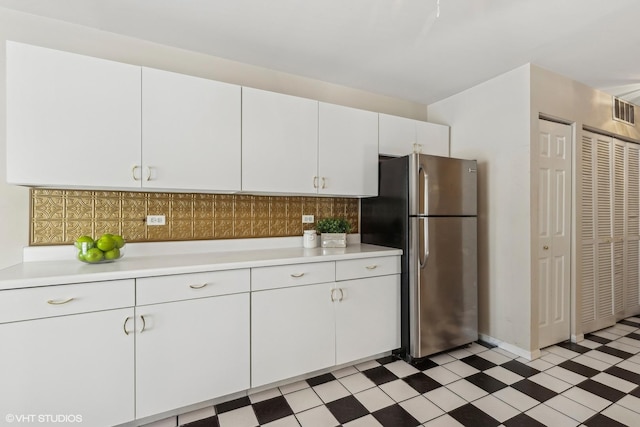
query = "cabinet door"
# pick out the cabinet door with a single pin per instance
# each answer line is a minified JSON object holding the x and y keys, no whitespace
{"x":348,"y":151}
{"x":367,"y":317}
{"x":397,"y":135}
{"x":72,"y":365}
{"x":72,"y":120}
{"x":632,"y":230}
{"x":191,"y":351}
{"x":190,"y":132}
{"x":292,"y":331}
{"x":279,"y":143}
{"x":432,"y":138}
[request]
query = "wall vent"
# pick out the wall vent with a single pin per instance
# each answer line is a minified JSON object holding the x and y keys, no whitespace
{"x":623,"y":111}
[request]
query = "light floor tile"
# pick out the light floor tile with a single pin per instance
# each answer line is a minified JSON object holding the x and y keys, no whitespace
{"x":444,"y":421}
{"x":401,"y":369}
{"x":494,"y":356}
{"x":604,"y":357}
{"x":570,"y":408}
{"x":562,"y":352}
{"x":349,"y":370}
{"x":550,"y":417}
{"x":356,"y":382}
{"x":290,"y":388}
{"x":635,"y":359}
{"x":630,"y":366}
{"x":607,"y":335}
{"x":586,"y":398}
{"x":421,"y":409}
{"x":501,"y":374}
{"x":317,"y":417}
{"x":460,"y":353}
{"x":617,"y":330}
{"x":399,"y":390}
{"x":589,"y":344}
{"x":461,"y":369}
{"x":622,"y":415}
{"x":539,"y":364}
{"x":367,"y":365}
{"x":614,"y":382}
{"x":366,"y":421}
{"x":302,"y":400}
{"x":476,"y":348}
{"x":624,"y":328}
{"x":596,"y":364}
{"x":496,"y":408}
{"x":331,"y":391}
{"x":565,"y":375}
{"x":630,"y":402}
{"x":374,"y":399}
{"x":466,"y":390}
{"x":192,"y":416}
{"x":629,"y":341}
{"x":441,"y":359}
{"x":445,"y":399}
{"x":443,"y":375}
{"x":624,"y":347}
{"x":264,"y":395}
{"x":516,"y":398}
{"x":505,"y":353}
{"x":550,"y":382}
{"x":242,"y":417}
{"x":553,"y":358}
{"x":289,"y":421}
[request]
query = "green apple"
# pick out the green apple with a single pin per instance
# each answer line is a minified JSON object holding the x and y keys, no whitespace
{"x":112,"y":254}
{"x":94,"y":255}
{"x":84,"y":242}
{"x":105,"y":243}
{"x":119,"y":241}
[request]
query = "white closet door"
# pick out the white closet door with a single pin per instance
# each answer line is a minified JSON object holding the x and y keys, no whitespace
{"x":632,"y":231}
{"x":618,"y":216}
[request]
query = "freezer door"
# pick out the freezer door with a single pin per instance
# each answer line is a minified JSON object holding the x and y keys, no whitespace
{"x":443,"y":186}
{"x":443,"y":284}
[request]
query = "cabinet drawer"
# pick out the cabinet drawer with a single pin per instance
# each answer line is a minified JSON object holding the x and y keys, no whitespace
{"x":153,"y":290}
{"x":283,"y":276}
{"x":49,"y":301}
{"x":367,"y":267}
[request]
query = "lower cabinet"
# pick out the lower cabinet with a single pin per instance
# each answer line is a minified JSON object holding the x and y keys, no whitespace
{"x":191,"y":351}
{"x":67,"y":367}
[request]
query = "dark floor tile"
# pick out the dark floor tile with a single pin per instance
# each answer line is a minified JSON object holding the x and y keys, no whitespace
{"x":387,"y":359}
{"x":423,"y":364}
{"x":421,"y":382}
{"x":232,"y":404}
{"x":320,"y":379}
{"x":599,"y":420}
{"x":380,"y":375}
{"x":486,"y":382}
{"x":534,"y":390}
{"x":395,"y":416}
{"x":624,"y":374}
{"x":597,"y":339}
{"x":579,"y":368}
{"x":272,"y":409}
{"x":635,"y":392}
{"x":471,"y":416}
{"x":486,"y":344}
{"x":523,"y":420}
{"x":205,"y":422}
{"x":478,"y":362}
{"x":615,"y":352}
{"x":601,"y":390}
{"x":520,"y":368}
{"x":630,"y":323}
{"x":347,"y":409}
{"x":634,"y":336}
{"x":574,"y":347}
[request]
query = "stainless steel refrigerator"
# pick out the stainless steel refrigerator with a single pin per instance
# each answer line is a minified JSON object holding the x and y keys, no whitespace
{"x":427,"y":206}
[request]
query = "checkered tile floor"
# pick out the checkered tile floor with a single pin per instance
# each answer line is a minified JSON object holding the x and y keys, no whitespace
{"x":593,"y":383}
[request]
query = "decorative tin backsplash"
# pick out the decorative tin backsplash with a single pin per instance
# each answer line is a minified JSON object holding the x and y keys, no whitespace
{"x":60,"y":216}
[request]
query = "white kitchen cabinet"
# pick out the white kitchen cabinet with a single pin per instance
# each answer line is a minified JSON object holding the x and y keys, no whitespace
{"x":279,"y":143}
{"x":190,"y":133}
{"x":399,"y":136}
{"x":347,"y":151}
{"x":72,"y":120}
{"x":78,"y":364}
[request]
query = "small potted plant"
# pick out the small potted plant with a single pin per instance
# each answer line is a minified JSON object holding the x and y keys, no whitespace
{"x":333,"y":232}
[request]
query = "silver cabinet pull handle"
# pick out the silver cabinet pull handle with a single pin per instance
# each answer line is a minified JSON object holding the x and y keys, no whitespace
{"x":59,"y":302}
{"x":341,"y":294}
{"x":545,"y":247}
{"x":124,"y":326}
{"x":148,"y":177}
{"x":332,"y":297}
{"x":198,"y":286}
{"x":323,"y":182}
{"x":144,"y":323}
{"x":133,"y":172}
{"x":297,"y":274}
{"x":315,"y":182}
{"x":371,"y":267}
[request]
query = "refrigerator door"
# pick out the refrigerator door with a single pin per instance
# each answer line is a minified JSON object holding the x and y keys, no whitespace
{"x":443,"y":284}
{"x":443,"y":186}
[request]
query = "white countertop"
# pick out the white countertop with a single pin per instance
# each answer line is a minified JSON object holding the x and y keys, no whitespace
{"x":56,"y":272}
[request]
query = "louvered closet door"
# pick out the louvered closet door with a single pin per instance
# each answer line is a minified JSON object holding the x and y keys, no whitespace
{"x":632,"y":231}
{"x":618,"y":223}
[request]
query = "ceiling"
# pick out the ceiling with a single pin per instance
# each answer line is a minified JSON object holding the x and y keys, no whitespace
{"x":420,"y":50}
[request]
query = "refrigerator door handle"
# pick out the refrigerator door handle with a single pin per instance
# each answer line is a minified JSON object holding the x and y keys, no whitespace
{"x":425,"y":190}
{"x":424,"y":247}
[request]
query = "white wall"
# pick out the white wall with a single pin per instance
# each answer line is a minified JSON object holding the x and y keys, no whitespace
{"x":490,"y":123}
{"x":14,"y":201}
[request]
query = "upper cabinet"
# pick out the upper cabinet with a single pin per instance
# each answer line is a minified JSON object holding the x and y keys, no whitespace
{"x":72,"y":120}
{"x":400,"y":136}
{"x":190,"y":133}
{"x":297,"y":145}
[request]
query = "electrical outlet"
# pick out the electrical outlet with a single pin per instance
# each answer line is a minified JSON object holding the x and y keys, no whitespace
{"x":156,"y":220}
{"x":307,"y":219}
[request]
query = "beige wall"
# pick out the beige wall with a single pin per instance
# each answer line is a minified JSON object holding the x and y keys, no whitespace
{"x":14,"y":201}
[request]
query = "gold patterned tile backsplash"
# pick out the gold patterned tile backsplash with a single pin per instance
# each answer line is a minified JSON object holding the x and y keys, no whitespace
{"x":60,"y":216}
